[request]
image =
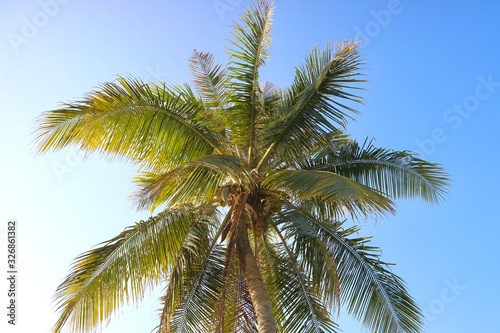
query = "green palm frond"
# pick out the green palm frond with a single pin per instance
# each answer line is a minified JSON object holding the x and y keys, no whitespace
{"x":197,"y":301}
{"x":371,"y":292}
{"x":155,"y":126}
{"x":245,"y":317}
{"x":205,"y":294}
{"x":313,"y":105}
{"x":325,"y":187}
{"x":122,"y":269}
{"x":251,"y":43}
{"x":298,"y":308}
{"x":397,"y":174}
{"x":210,"y":80}
{"x":187,"y":274}
{"x":317,"y":261}
{"x":271,"y":95}
{"x":235,"y":312}
{"x":196,"y":182}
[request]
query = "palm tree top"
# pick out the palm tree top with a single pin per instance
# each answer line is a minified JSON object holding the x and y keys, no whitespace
{"x":281,"y":163}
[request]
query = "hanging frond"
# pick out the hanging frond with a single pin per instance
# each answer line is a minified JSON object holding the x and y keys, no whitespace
{"x":122,"y":269}
{"x":371,"y":292}
{"x":317,"y":261}
{"x":200,"y":252}
{"x":298,"y":308}
{"x":196,"y":301}
{"x":235,"y":312}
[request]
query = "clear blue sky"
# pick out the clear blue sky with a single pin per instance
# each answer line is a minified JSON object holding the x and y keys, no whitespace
{"x":434,"y":87}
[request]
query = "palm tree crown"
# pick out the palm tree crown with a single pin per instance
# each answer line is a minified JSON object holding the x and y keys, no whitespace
{"x":253,"y":184}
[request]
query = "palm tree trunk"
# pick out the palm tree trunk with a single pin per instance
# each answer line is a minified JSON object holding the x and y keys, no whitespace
{"x":256,"y":286}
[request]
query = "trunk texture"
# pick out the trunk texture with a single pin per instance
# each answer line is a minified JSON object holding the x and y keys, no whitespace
{"x":256,"y":286}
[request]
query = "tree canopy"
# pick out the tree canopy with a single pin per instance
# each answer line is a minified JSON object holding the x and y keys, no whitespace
{"x":253,"y":184}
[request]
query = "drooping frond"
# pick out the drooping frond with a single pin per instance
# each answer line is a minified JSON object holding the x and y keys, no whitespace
{"x":196,"y":182}
{"x":206,"y":294}
{"x":155,"y":126}
{"x":325,"y":187}
{"x":315,"y":104}
{"x":251,"y":43}
{"x":195,"y":303}
{"x":185,"y":280}
{"x":397,"y":174}
{"x":235,"y":313}
{"x":245,"y":317}
{"x":371,"y":292}
{"x":123,"y":268}
{"x":297,"y":307}
{"x":317,"y":261}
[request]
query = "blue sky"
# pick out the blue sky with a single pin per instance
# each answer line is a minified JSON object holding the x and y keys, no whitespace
{"x":434,"y":87}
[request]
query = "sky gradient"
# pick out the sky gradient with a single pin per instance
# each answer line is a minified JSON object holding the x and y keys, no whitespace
{"x":433,"y":87}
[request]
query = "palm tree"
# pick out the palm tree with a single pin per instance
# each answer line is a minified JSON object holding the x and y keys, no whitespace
{"x":254,"y":185}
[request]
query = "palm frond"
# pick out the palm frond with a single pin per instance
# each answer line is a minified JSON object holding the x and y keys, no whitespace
{"x":271,"y":95}
{"x":151,"y":125}
{"x":371,"y":292}
{"x":187,"y":274}
{"x":397,"y":174}
{"x":235,"y":313}
{"x":313,"y":105}
{"x":196,"y":182}
{"x":251,"y":43}
{"x":317,"y":261}
{"x":205,"y":293}
{"x":196,"y":302}
{"x":122,"y":269}
{"x":325,"y":187}
{"x":298,"y":308}
{"x":210,"y":80}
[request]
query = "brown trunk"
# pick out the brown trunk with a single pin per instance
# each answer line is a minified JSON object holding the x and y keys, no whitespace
{"x":256,"y":286}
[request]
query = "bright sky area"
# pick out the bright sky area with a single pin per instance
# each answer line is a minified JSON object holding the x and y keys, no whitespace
{"x":434,"y":87}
